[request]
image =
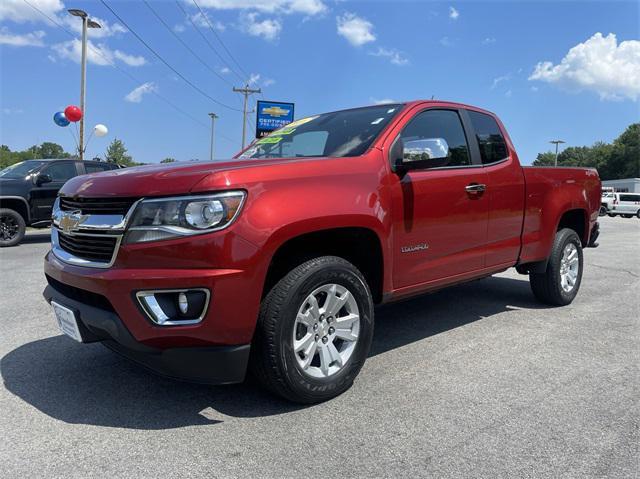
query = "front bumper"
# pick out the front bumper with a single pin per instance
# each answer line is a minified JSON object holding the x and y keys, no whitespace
{"x":201,"y":364}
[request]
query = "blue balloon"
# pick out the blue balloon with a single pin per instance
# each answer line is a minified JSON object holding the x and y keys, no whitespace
{"x":60,"y":119}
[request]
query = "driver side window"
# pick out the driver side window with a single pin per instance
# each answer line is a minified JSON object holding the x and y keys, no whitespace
{"x":62,"y":171}
{"x":431,"y":127}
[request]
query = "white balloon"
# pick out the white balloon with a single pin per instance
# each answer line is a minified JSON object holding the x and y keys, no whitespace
{"x":100,"y":130}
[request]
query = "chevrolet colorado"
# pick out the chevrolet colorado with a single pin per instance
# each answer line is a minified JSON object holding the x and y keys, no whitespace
{"x":273,"y":261}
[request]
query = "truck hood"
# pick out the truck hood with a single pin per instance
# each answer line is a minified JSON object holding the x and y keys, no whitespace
{"x":152,"y":180}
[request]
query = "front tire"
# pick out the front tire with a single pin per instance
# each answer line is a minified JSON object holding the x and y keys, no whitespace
{"x":12,"y":227}
{"x":314,"y":331}
{"x":559,"y":284}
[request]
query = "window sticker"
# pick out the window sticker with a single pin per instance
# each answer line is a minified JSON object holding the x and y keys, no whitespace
{"x":302,"y":121}
{"x":270,"y":140}
{"x":283,"y":131}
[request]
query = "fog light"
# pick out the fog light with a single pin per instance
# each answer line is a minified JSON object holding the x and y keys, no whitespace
{"x":174,"y":307}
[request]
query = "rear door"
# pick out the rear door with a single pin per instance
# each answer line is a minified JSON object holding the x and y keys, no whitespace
{"x":44,"y":195}
{"x":440,"y":218}
{"x":505,"y":190}
{"x":629,"y":203}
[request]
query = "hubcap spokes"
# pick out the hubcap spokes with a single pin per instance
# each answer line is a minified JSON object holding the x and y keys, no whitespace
{"x":326,"y":330}
{"x":569,"y":267}
{"x":8,"y":228}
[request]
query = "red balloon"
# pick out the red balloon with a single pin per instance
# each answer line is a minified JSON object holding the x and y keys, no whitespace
{"x":73,"y":113}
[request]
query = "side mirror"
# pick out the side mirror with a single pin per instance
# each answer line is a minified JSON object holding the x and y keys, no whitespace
{"x":43,"y":178}
{"x":419,"y":154}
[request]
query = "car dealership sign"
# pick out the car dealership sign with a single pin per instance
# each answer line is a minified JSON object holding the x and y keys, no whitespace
{"x":271,"y":115}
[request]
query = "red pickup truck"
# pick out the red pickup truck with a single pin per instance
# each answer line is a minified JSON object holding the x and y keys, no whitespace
{"x":274,"y":261}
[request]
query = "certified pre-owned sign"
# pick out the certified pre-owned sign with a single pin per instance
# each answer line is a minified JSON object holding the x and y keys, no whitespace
{"x":271,"y":115}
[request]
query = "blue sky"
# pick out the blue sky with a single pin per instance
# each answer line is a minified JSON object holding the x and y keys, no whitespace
{"x":323,"y":55}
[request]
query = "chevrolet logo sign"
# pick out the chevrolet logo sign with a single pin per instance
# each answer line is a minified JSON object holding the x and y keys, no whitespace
{"x":71,"y":220}
{"x":275,"y":111}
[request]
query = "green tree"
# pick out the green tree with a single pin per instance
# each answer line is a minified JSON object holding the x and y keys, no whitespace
{"x":168,"y":160}
{"x":51,"y":150}
{"x":117,"y":153}
{"x":545,"y":159}
{"x":45,"y":150}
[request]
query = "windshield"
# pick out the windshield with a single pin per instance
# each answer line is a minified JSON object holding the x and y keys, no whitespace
{"x":21,"y":170}
{"x":338,"y":134}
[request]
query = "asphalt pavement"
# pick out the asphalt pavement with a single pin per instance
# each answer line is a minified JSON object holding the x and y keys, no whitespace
{"x":478,"y":380}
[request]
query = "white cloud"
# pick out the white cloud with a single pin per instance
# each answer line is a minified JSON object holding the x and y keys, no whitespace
{"x":396,"y":57}
{"x":508,"y":93}
{"x":135,"y":95}
{"x":225,"y":70}
{"x":20,"y":12}
{"x":12,"y":111}
{"x":98,"y":54}
{"x":306,"y":7}
{"x":488,"y":41}
{"x":179,"y":28}
{"x":453,"y":13}
{"x":33,"y":39}
{"x":382,"y":101}
{"x":268,"y":82}
{"x":356,"y":30}
{"x":202,"y":21}
{"x":253,"y":78}
{"x":446,"y":42}
{"x":500,"y":79}
{"x":269,"y":28}
{"x":599,"y":64}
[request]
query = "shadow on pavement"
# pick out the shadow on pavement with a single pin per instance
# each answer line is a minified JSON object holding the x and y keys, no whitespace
{"x":91,"y":385}
{"x":32,"y":238}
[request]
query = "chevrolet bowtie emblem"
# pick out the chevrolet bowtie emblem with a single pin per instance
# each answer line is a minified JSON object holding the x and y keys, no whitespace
{"x":275,"y":111}
{"x":71,"y":220}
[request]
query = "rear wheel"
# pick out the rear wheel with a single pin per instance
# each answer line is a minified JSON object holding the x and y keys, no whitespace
{"x":12,"y":227}
{"x":603,"y":210}
{"x":627,"y":216}
{"x":611,"y":215}
{"x":314,"y":331}
{"x":638,"y":214}
{"x":560,"y":283}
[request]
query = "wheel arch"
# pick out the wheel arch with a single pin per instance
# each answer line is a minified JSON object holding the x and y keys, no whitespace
{"x":18,"y":204}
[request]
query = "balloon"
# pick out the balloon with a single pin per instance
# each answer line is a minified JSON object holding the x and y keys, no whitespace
{"x":100,"y":130}
{"x":73,"y":113}
{"x":60,"y":120}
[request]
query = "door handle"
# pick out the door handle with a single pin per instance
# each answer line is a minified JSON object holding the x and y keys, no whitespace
{"x":475,"y":188}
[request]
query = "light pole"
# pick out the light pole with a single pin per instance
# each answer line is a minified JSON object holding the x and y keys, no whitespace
{"x":213,"y":121}
{"x":556,"y":142}
{"x":86,"y":23}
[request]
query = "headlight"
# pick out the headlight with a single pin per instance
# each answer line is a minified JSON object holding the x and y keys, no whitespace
{"x":165,"y":218}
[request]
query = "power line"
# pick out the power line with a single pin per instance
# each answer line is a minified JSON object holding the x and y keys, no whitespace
{"x":220,"y":40}
{"x":159,"y":57}
{"x":137,"y":81}
{"x":184,"y":44}
{"x":207,"y":40}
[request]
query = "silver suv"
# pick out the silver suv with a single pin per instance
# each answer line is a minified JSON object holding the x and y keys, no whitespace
{"x":626,"y":205}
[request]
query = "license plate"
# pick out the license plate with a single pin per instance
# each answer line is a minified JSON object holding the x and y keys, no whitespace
{"x":67,"y":321}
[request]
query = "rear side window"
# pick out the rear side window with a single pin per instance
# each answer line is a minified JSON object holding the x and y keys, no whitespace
{"x":440,"y":124}
{"x":490,"y":140}
{"x":630,"y":198}
{"x":96,"y":167}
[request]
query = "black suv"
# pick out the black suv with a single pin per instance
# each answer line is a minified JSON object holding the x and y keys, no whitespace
{"x":28,"y":190}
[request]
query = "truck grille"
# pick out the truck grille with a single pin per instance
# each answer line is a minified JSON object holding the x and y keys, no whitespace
{"x":97,"y":206}
{"x":97,"y":248}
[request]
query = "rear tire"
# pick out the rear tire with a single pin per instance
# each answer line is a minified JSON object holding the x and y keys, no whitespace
{"x":638,"y":214}
{"x":610,"y":215}
{"x":627,"y":216}
{"x":559,"y":284}
{"x":298,"y":351}
{"x":12,"y":227}
{"x":603,"y":211}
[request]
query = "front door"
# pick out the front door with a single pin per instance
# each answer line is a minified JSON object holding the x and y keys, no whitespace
{"x":43,"y":195}
{"x":442,"y":215}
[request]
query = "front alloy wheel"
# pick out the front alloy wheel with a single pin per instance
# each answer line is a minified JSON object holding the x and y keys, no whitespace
{"x":12,"y":227}
{"x":326,"y":330}
{"x":314,"y":331}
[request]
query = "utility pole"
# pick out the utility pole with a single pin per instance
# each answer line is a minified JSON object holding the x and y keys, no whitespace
{"x":86,"y":23}
{"x":213,"y":121}
{"x":556,"y":142}
{"x":246,"y":91}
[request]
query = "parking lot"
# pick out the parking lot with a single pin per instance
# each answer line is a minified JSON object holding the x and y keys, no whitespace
{"x":475,"y":381}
